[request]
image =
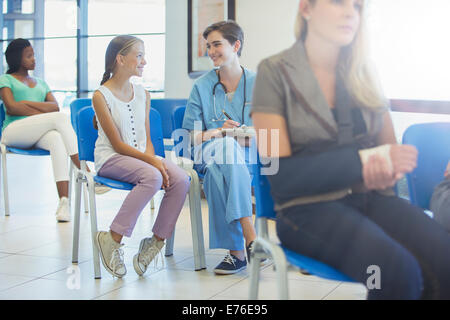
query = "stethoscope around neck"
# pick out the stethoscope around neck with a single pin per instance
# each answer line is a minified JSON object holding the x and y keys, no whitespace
{"x":221,"y":117}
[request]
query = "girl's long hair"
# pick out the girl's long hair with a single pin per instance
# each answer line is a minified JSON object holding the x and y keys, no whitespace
{"x":119,"y":45}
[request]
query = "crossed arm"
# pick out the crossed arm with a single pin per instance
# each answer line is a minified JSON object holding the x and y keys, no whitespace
{"x":27,"y":108}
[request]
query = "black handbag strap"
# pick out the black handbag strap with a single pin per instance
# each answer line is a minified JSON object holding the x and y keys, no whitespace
{"x":344,"y":118}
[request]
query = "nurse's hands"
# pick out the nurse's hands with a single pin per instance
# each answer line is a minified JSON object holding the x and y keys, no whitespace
{"x":218,"y":133}
{"x":229,"y":124}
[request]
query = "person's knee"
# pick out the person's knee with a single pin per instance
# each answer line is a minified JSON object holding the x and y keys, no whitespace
{"x":180,"y":180}
{"x":403,"y":278}
{"x":53,"y":141}
{"x":61,"y":119}
{"x":151,"y":177}
{"x":223,"y":151}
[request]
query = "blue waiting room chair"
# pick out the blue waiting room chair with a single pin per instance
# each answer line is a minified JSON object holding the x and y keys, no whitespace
{"x":87,"y":135}
{"x":432,"y":141}
{"x":265,"y":248}
{"x":75,"y":106}
{"x":11,"y":150}
{"x":165,"y":107}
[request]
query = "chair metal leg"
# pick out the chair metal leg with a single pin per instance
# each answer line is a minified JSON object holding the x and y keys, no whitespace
{"x":71,"y":180}
{"x":93,"y":214}
{"x":85,"y":198}
{"x":254,"y":279}
{"x":196,"y":221}
{"x":260,"y":246}
{"x":169,"y":245}
{"x":5,"y":180}
{"x":76,"y":222}
{"x":152,"y":204}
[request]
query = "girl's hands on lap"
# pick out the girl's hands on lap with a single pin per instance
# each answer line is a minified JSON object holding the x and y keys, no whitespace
{"x":161,"y":166}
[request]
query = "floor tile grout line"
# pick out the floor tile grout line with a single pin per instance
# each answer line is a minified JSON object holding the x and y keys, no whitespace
{"x":18,"y":285}
{"x":244,"y":278}
{"x":126,"y":284}
{"x":337,"y":286}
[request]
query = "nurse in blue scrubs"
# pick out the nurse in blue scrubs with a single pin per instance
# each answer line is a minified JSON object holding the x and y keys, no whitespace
{"x":220,"y":99}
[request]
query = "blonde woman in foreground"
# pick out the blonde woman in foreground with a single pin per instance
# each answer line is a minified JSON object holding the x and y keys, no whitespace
{"x":334,"y":124}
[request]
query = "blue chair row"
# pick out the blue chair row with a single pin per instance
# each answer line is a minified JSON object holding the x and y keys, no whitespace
{"x":75,"y":106}
{"x":165,"y":107}
{"x":432,"y":140}
{"x":87,"y":136}
{"x":11,"y":150}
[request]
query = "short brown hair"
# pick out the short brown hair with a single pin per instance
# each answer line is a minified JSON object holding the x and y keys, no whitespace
{"x":230,"y":30}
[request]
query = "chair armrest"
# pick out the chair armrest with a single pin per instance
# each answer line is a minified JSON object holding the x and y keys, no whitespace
{"x":184,"y":163}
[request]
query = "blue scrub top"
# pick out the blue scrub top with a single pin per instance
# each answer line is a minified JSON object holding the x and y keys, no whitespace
{"x":200,"y":106}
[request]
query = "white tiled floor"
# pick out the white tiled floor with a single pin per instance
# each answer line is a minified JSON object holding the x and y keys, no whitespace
{"x":35,"y":253}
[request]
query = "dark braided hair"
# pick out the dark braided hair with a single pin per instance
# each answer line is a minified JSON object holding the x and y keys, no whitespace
{"x":119,"y":45}
{"x":14,"y":52}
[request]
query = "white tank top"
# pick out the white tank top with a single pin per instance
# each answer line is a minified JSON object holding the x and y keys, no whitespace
{"x":129,"y":118}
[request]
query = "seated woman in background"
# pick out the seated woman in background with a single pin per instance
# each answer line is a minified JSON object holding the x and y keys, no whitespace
{"x":440,"y":201}
{"x":338,"y":159}
{"x":32,"y":118}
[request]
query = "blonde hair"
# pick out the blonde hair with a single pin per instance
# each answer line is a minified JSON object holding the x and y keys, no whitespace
{"x":353,"y":66}
{"x":119,"y":45}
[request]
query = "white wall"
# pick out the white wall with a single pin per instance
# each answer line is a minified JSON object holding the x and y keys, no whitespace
{"x":268,"y":28}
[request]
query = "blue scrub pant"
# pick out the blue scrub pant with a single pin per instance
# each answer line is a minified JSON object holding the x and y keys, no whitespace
{"x":227,"y":186}
{"x":411,"y":250}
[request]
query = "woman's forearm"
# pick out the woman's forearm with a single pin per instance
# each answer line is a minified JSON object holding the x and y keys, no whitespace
{"x":21,"y":109}
{"x":43,"y":107}
{"x":316,"y":173}
{"x":126,"y":150}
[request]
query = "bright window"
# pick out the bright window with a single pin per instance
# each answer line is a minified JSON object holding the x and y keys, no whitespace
{"x":410,"y":47}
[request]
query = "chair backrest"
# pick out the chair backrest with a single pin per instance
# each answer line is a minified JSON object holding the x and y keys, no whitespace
{"x":178,"y":116}
{"x":432,"y":140}
{"x":165,"y":108}
{"x":87,"y":134}
{"x":181,"y":150}
{"x":156,"y":132}
{"x":264,"y":202}
{"x":75,"y":106}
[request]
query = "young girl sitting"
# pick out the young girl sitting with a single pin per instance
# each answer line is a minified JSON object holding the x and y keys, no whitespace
{"x":124,"y":151}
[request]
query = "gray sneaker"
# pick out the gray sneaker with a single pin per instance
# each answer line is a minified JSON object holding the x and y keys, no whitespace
{"x":111,"y":254}
{"x":148,"y":250}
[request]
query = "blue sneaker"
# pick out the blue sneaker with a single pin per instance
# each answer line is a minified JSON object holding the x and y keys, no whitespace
{"x":230,"y":264}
